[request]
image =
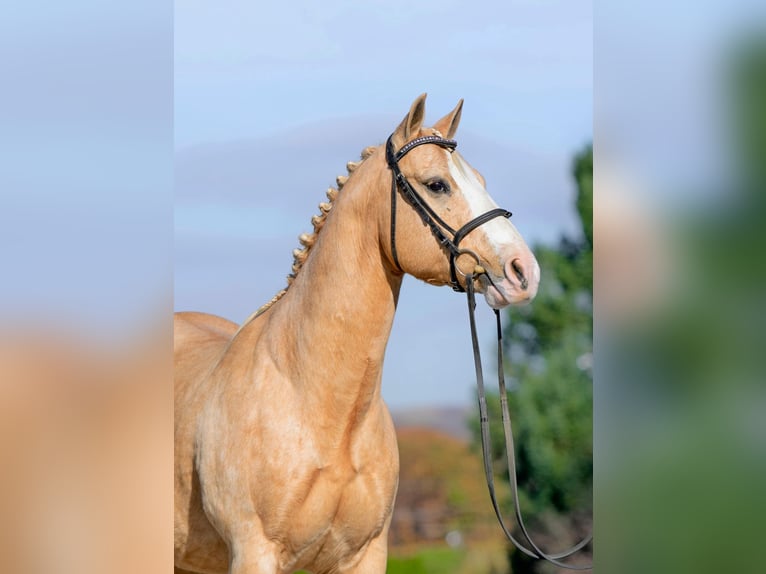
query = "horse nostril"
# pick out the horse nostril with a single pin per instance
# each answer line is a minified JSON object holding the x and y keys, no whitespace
{"x":518,"y":269}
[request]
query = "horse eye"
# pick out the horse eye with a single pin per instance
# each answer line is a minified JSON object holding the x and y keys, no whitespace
{"x":438,"y":186}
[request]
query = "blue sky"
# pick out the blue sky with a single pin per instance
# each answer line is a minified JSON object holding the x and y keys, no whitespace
{"x":245,"y":69}
{"x":271,"y":100}
{"x":86,"y":168}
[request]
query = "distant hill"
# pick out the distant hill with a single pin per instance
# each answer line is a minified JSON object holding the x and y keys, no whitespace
{"x":452,"y":421}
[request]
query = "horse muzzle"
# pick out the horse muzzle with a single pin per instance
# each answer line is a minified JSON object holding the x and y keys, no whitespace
{"x":517,"y":286}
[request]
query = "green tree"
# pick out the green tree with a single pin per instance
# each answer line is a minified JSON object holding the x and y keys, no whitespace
{"x":548,"y":345}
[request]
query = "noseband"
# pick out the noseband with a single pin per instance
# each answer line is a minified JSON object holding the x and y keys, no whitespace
{"x":439,"y":228}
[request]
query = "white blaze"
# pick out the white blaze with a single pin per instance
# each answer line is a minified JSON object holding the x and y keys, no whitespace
{"x":500,"y":232}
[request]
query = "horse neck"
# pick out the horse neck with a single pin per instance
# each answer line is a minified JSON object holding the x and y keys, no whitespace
{"x":329,"y":333}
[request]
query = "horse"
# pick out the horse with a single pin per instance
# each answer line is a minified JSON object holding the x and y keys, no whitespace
{"x":285,"y":453}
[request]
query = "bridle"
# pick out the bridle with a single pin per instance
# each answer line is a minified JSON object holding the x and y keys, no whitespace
{"x":439,"y":228}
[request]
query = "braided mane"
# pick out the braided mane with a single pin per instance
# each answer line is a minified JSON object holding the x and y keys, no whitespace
{"x":307,"y":240}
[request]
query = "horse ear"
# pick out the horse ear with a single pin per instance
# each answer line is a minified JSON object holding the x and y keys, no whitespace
{"x":411,"y":123}
{"x":447,"y":126}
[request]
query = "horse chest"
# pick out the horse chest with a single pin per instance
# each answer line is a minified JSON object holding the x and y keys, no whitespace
{"x":332,"y":513}
{"x":342,"y":511}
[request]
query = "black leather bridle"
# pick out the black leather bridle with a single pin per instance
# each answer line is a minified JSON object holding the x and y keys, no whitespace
{"x":438,"y":228}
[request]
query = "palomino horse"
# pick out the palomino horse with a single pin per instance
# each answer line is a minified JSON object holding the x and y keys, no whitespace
{"x":285,"y":454}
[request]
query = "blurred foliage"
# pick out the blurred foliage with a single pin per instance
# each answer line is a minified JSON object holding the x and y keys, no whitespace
{"x":549,"y":347}
{"x":441,"y":490}
{"x":747,"y":81}
{"x":427,"y":561}
{"x":468,"y":559}
{"x":684,"y":397}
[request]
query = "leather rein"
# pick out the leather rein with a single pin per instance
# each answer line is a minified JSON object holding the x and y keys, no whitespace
{"x":440,"y":229}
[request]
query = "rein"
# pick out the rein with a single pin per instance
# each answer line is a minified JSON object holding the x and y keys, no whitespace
{"x":510,"y":450}
{"x":438,"y":227}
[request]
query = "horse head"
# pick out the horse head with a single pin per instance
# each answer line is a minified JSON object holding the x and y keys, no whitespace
{"x":456,"y":205}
